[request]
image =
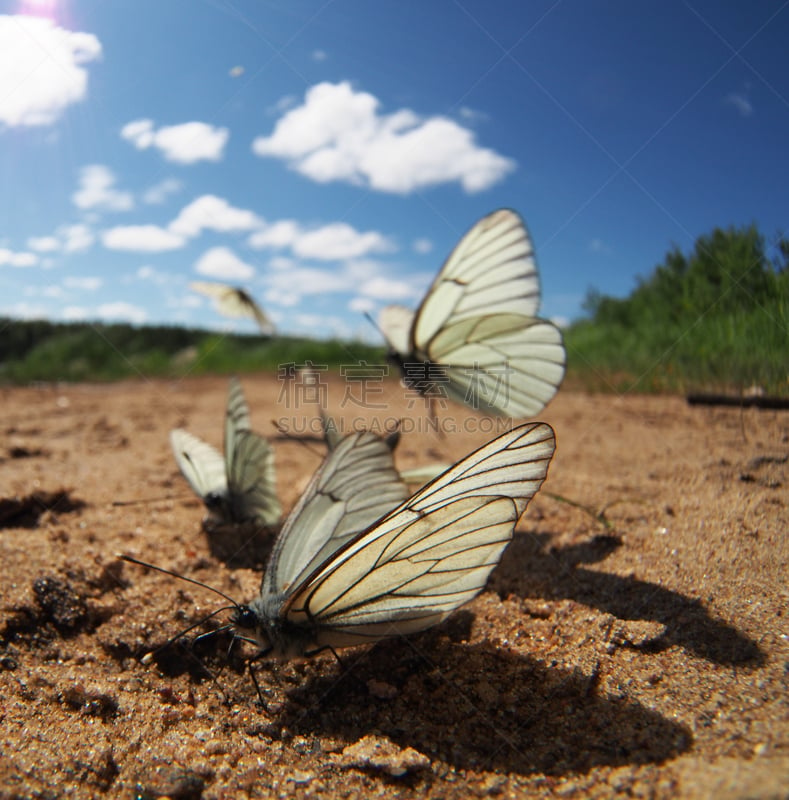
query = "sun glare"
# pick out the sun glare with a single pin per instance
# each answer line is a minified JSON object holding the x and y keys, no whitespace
{"x":39,"y":8}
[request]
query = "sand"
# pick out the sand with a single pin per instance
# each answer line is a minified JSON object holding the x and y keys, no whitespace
{"x":633,"y":644}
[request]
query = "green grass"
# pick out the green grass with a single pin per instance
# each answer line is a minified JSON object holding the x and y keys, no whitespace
{"x":712,"y":353}
{"x":32,"y":351}
{"x":716,"y":319}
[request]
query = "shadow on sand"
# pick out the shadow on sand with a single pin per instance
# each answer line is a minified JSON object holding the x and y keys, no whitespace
{"x":531,"y":568}
{"x":478,"y":707}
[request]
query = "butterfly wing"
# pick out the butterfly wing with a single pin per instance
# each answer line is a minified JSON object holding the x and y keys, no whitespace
{"x":236,"y":419}
{"x":331,"y":434}
{"x":251,"y":480}
{"x":356,"y":484}
{"x":431,"y":554}
{"x":201,"y":464}
{"x":418,"y":476}
{"x":478,"y":322}
{"x":396,"y":322}
{"x":492,"y":270}
{"x":505,"y":364}
{"x":233,"y":301}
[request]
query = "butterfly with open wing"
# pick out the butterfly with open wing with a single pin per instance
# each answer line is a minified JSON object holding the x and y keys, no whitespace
{"x":233,"y":301}
{"x":476,"y":337}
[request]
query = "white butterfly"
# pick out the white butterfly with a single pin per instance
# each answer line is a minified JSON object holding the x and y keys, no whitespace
{"x":413,"y":476}
{"x":335,"y":586}
{"x":241,"y":487}
{"x":232,"y":301}
{"x":476,"y":337}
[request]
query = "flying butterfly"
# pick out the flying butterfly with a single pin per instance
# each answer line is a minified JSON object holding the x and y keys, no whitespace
{"x":476,"y":337}
{"x":241,"y":486}
{"x":329,"y":587}
{"x":233,"y":301}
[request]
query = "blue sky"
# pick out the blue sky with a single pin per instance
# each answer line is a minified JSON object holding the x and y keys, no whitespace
{"x":328,"y":155}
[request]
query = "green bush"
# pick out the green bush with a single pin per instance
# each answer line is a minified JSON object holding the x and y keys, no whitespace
{"x":715,"y":319}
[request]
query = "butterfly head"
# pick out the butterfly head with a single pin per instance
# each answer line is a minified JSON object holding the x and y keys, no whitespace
{"x":395,"y":359}
{"x":261,"y":622}
{"x":215,"y":502}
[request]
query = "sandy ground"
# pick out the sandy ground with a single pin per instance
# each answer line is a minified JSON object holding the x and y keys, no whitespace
{"x":644,"y":653}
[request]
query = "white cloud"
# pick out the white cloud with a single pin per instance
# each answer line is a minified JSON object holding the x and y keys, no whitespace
{"x":362,"y":305}
{"x":334,"y":242}
{"x":187,"y":300}
{"x":159,"y":192}
{"x":85,"y":283}
{"x":288,"y":281}
{"x":282,"y":297}
{"x":51,"y":291}
{"x":319,"y":55}
{"x":97,"y":190}
{"x":123,"y":311}
{"x":148,"y":273}
{"x":75,"y":238}
{"x":24,"y":310}
{"x":283,"y":104}
{"x":142,"y":239}
{"x":9,"y":258}
{"x":223,"y":263}
{"x":471,"y":115}
{"x":279,"y":234}
{"x":67,"y":238}
{"x":283,"y":262}
{"x":74,"y":313}
{"x":139,"y":133}
{"x":339,"y":241}
{"x":307,"y":281}
{"x":388,"y":289}
{"x":43,"y":244}
{"x":422,"y":246}
{"x":210,"y":212}
{"x":186,"y":143}
{"x":739,"y":101}
{"x":338,"y":134}
{"x":40,"y":69}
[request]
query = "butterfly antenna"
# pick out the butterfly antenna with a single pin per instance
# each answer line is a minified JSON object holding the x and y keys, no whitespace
{"x":305,"y":440}
{"x":148,"y":657}
{"x":132,"y":560}
{"x":378,"y":328}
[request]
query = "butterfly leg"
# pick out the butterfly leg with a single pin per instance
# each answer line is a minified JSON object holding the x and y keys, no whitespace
{"x":257,"y":685}
{"x":434,"y":417}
